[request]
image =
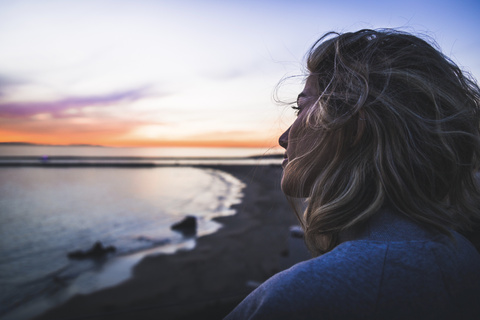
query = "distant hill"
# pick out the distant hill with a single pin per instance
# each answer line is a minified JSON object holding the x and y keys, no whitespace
{"x":268,"y":156}
{"x":18,"y":144}
{"x":83,"y":145}
{"x":46,"y":145}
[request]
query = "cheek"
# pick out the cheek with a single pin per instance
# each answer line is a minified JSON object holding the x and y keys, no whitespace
{"x":311,"y":156}
{"x":298,"y":179}
{"x":302,"y":139}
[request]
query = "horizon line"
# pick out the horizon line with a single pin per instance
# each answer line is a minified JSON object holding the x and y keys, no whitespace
{"x":173,"y":144}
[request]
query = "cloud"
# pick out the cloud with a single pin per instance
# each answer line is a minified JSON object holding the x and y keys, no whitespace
{"x":7,"y":82}
{"x":68,"y":131}
{"x":56,"y":108}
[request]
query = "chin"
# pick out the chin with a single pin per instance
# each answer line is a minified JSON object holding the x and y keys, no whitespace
{"x":288,"y":189}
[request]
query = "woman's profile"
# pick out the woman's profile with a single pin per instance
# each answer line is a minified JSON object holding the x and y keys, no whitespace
{"x":385,"y":149}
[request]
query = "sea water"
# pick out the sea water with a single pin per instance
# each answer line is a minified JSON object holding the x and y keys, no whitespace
{"x":45,"y":213}
{"x":92,"y":151}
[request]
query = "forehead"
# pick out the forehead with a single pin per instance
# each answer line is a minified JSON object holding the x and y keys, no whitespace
{"x":310,"y":89}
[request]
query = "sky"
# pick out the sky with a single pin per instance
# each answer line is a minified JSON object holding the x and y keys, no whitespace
{"x":184,"y":72}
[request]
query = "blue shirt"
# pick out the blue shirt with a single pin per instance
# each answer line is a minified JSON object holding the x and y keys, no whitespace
{"x":390,"y":269}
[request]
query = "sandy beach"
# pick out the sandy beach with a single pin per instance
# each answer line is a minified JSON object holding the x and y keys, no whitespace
{"x":210,"y":280}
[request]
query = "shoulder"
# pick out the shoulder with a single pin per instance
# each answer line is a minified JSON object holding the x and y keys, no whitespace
{"x":458,"y":263}
{"x":350,"y":272}
{"x":435,"y":279}
{"x":351,"y":265}
{"x":371,"y":278}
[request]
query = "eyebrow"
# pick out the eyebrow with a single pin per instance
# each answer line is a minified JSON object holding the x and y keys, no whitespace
{"x":301,"y":95}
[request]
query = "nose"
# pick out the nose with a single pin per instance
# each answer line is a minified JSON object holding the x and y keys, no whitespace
{"x":283,"y":140}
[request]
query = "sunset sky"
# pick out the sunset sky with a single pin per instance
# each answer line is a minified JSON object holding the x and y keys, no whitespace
{"x":185,"y":72}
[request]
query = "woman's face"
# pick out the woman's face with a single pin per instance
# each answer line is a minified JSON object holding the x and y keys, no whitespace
{"x":299,"y":140}
{"x":293,"y":137}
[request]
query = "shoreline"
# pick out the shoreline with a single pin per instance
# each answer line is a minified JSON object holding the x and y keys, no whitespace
{"x":217,"y":274}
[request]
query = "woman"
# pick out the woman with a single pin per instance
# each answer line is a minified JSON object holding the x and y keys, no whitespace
{"x":385,"y":149}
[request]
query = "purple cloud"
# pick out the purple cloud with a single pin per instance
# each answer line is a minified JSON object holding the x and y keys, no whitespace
{"x":26,"y":109}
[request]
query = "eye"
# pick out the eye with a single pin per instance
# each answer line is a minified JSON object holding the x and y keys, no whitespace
{"x":297,"y":109}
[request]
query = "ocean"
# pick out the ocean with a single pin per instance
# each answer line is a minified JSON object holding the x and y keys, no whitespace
{"x":49,"y":211}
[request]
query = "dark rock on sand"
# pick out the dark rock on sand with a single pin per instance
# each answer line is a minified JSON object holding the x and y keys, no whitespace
{"x":96,"y":251}
{"x":187,"y":226}
{"x":296,"y":232}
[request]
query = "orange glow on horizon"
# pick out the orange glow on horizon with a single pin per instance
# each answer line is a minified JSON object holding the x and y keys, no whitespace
{"x":118,"y":135}
{"x":115,"y":142}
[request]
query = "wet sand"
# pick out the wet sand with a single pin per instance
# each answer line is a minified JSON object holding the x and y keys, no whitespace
{"x":210,"y":280}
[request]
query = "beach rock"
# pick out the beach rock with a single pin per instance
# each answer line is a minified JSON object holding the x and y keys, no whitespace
{"x":296,"y":232}
{"x":187,"y":226}
{"x":96,"y":251}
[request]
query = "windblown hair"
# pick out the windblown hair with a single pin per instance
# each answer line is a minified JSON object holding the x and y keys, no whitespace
{"x":398,"y":123}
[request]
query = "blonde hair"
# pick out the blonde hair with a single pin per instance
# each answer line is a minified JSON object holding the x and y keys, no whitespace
{"x":399,"y":124}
